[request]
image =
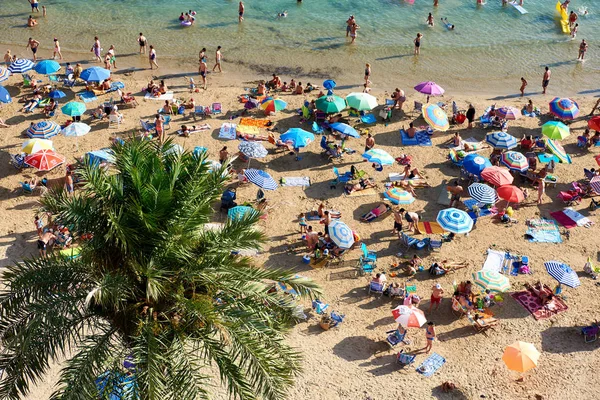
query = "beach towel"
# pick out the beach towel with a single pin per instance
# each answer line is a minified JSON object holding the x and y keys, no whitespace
{"x":295,"y":181}
{"x":579,"y":219}
{"x":542,"y":231}
{"x":258,"y":123}
{"x":87,"y":97}
{"x":444,"y":197}
{"x":198,"y":128}
{"x":431,"y":364}
{"x":314,"y":215}
{"x":163,"y":97}
{"x":563,"y":219}
{"x":430,"y":228}
{"x":115,"y":86}
{"x":364,"y":192}
{"x":546,"y":158}
{"x":227,"y":131}
{"x":248,"y":130}
{"x":494,"y":261}
{"x":483,"y":211}
{"x":421,"y":138}
{"x":533,"y":304}
{"x":474,"y":144}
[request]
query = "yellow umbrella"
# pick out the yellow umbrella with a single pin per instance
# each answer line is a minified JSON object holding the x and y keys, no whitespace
{"x":35,"y":145}
{"x":436,"y":117}
{"x":520,"y":356}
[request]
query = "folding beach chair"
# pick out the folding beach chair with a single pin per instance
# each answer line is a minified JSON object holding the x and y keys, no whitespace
{"x":319,"y":307}
{"x":404,"y":358}
{"x":341,"y":178}
{"x":408,"y":241}
{"x":216,"y":108}
{"x":376,"y":287}
{"x":418,"y":108}
{"x":367,"y":256}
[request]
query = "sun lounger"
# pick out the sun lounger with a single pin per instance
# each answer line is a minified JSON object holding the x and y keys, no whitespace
{"x":482,"y":325}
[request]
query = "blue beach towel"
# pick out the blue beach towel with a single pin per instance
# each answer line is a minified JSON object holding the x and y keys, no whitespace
{"x":431,"y":364}
{"x":545,"y":158}
{"x":421,"y":139}
{"x":543,"y":231}
{"x":87,"y":97}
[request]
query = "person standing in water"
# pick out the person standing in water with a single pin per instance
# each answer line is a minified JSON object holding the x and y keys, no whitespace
{"x":349,"y":22}
{"x":417,"y":42}
{"x":241,"y":10}
{"x":143,"y":42}
{"x":430,"y":20}
{"x":523,"y":86}
{"x":354,"y":31}
{"x":546,"y":80}
{"x":152,"y":57}
{"x":218,"y":58}
{"x":582,"y":49}
{"x":34,"y":5}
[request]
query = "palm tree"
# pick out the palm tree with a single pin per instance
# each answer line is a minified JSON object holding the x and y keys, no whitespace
{"x":153,"y":286}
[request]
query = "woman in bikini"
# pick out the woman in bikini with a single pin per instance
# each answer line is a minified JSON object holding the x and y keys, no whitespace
{"x":430,"y":336}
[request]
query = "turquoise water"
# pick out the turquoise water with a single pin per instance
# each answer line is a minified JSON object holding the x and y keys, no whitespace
{"x":490,"y":49}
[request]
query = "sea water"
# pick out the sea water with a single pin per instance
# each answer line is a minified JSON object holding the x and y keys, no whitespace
{"x":491,"y":47}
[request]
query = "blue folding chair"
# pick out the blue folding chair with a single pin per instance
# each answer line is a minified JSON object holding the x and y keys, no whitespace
{"x":366,"y":268}
{"x":319,"y":306}
{"x":341,"y":178}
{"x":368,"y":256}
{"x":376,"y":287}
{"x":404,"y":358}
{"x":316,"y":128}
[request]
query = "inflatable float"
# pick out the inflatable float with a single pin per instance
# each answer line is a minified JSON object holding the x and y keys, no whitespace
{"x":518,"y":7}
{"x":563,"y":18}
{"x":185,"y":23}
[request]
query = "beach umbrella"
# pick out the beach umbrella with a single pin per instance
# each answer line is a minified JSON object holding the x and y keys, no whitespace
{"x":514,"y":161}
{"x":562,"y":273}
{"x":297,"y":137}
{"x":95,"y":74}
{"x":397,"y":196}
{"x":378,"y":156}
{"x":436,"y":117}
{"x":251,"y":104}
{"x":47,"y":67}
{"x":35,"y":145}
{"x":508,"y":113}
{"x":482,"y":193}
{"x":4,"y":74}
{"x":20,"y":65}
{"x":238,"y":212}
{"x":555,"y":130}
{"x":285,"y":288}
{"x":122,"y":385}
{"x":4,"y":95}
{"x":56,"y":94}
{"x":341,"y":234}
{"x":595,"y":184}
{"x":100,"y":156}
{"x":261,"y":179}
{"x":409,"y":317}
{"x":44,"y":160}
{"x":345,"y":129}
{"x":43,"y":130}
{"x":174,"y":148}
{"x":559,"y":151}
{"x":429,"y":88}
{"x":564,"y":108}
{"x":454,"y":220}
{"x":501,"y":140}
{"x":76,"y":129}
{"x":329,"y":84}
{"x":253,"y":149}
{"x":271,"y":105}
{"x":520,"y":356}
{"x":475,"y":164}
{"x":511,"y":194}
{"x":73,"y":109}
{"x":497,"y":176}
{"x":492,"y":280}
{"x":593,"y":124}
{"x":330,"y":104}
{"x":361,"y":101}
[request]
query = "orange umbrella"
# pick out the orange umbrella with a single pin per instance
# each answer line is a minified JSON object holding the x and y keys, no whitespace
{"x":497,"y":176}
{"x":520,"y":356}
{"x":44,"y":160}
{"x":511,"y":193}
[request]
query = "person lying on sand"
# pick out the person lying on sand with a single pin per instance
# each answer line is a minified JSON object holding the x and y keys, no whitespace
{"x":361,"y":185}
{"x":376,"y":212}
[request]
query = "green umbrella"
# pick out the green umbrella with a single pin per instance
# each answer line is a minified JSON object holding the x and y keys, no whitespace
{"x":331,"y":104}
{"x":555,"y":130}
{"x":73,"y":109}
{"x":361,"y":101}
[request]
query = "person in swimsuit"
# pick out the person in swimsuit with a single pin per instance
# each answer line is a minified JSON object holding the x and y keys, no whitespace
{"x":96,"y":49}
{"x":203,"y":68}
{"x":412,"y":219}
{"x":43,"y":241}
{"x":33,"y":45}
{"x":430,"y":336}
{"x":523,"y":86}
{"x":397,"y":223}
{"x":69,"y":183}
{"x":455,"y":191}
{"x":546,"y":79}
{"x":367,"y":73}
{"x":31,"y":22}
{"x":411,"y":173}
{"x":417,"y":42}
{"x":349,"y":22}
{"x":326,"y":221}
{"x":241,"y":10}
{"x":582,"y":49}
{"x":57,"y":50}
{"x":354,"y":31}
{"x":34,"y":5}
{"x":142,"y":42}
{"x":430,"y":20}
{"x":152,"y":58}
{"x":218,"y":58}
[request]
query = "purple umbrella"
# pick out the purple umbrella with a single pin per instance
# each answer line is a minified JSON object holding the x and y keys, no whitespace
{"x":429,"y":88}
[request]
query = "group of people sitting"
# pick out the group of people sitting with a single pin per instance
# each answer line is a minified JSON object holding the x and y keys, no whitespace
{"x":156,"y":90}
{"x":276,"y":84}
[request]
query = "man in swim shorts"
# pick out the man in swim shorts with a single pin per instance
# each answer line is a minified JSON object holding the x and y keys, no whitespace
{"x":43,"y":241}
{"x":241,"y":11}
{"x":33,"y":44}
{"x":349,"y":22}
{"x":34,"y":5}
{"x":546,"y":79}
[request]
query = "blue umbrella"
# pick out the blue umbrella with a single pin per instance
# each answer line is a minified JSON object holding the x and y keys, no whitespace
{"x":261,"y":179}
{"x":95,"y":74}
{"x":47,"y":67}
{"x":474,"y":163}
{"x":121,"y":385}
{"x":73,"y":108}
{"x":345,"y":129}
{"x":341,"y":234}
{"x":239,"y":212}
{"x":378,"y":156}
{"x":454,"y":220}
{"x":4,"y":74}
{"x":562,"y":273}
{"x":501,"y":140}
{"x":297,"y":137}
{"x":4,"y":95}
{"x":100,"y":156}
{"x":43,"y":130}
{"x":56,"y":94}
{"x":20,"y":65}
{"x":329,"y":84}
{"x":253,"y":149}
{"x":483,"y":193}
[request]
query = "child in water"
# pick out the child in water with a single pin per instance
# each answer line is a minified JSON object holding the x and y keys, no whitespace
{"x":447,"y":24}
{"x":282,"y":14}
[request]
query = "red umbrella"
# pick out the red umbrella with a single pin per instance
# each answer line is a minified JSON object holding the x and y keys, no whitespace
{"x":497,"y":176}
{"x":597,"y":158}
{"x":44,"y":160}
{"x":511,"y":193}
{"x":594,"y":123}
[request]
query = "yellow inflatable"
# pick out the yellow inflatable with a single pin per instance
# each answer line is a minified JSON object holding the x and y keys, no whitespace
{"x":564,"y":18}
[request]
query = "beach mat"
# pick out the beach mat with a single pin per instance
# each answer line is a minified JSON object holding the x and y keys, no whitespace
{"x":227,"y":131}
{"x":483,"y":211}
{"x":444,"y":197}
{"x":430,"y":228}
{"x":532,"y":303}
{"x":545,"y":158}
{"x":365,"y":192}
{"x":258,"y":123}
{"x":295,"y":181}
{"x":494,"y":261}
{"x":563,"y":219}
{"x":578,"y":218}
{"x":542,"y":231}
{"x":421,"y":138}
{"x":87,"y":97}
{"x":166,"y":96}
{"x":431,"y":364}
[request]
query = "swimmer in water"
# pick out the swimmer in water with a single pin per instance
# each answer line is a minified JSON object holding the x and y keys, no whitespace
{"x":282,"y":14}
{"x":447,"y":24}
{"x":430,"y":20}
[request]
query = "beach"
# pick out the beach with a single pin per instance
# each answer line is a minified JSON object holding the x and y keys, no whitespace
{"x":353,"y":361}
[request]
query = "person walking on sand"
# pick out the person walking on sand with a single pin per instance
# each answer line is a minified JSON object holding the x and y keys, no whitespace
{"x":367,"y":73}
{"x":33,"y":45}
{"x":44,"y":241}
{"x":241,"y":10}
{"x":470,"y":116}
{"x":159,"y":122}
{"x":417,"y":42}
{"x":152,"y":57}
{"x":430,"y":336}
{"x":523,"y":86}
{"x":203,"y":72}
{"x":546,"y":79}
{"x":541,"y":191}
{"x":143,"y":42}
{"x":582,"y":49}
{"x":96,"y":49}
{"x":436,"y":296}
{"x":218,"y":58}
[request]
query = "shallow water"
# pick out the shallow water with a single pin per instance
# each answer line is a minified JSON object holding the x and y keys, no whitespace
{"x":490,"y":49}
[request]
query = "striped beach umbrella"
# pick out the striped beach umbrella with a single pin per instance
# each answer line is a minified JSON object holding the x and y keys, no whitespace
{"x":482,"y":193}
{"x":238,"y":212}
{"x":330,"y":104}
{"x":361,"y":101}
{"x":436,"y":117}
{"x":555,"y":130}
{"x":564,"y":108}
{"x":76,"y":129}
{"x":454,"y":220}
{"x":501,"y":140}
{"x":559,"y":151}
{"x":341,"y":234}
{"x":47,"y":67}
{"x":95,"y":74}
{"x":509,"y":113}
{"x":4,"y":95}
{"x":272,"y":105}
{"x":595,"y":184}
{"x":497,"y":176}
{"x":345,"y":129}
{"x":397,"y":196}
{"x":4,"y":74}
{"x":492,"y":280}
{"x":409,"y":317}
{"x":34,"y":145}
{"x":562,"y":273}
{"x":514,"y":161}
{"x":43,"y":130}
{"x":520,"y":356}
{"x":44,"y":160}
{"x":475,"y":164}
{"x":253,"y":149}
{"x":73,"y":109}
{"x":297,"y":137}
{"x":20,"y":65}
{"x":511,"y":194}
{"x":430,"y":88}
{"x":378,"y":156}
{"x":261,"y":179}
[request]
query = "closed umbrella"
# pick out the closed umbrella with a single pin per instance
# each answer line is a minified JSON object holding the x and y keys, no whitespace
{"x":330,"y":104}
{"x":341,"y":234}
{"x":378,"y":156}
{"x":455,"y":220}
{"x":514,"y":161}
{"x":482,"y":193}
{"x":497,"y":176}
{"x":4,"y":95}
{"x":329,"y":84}
{"x":511,"y":194}
{"x":409,"y":317}
{"x":492,"y":280}
{"x":238,"y":212}
{"x":361,"y":101}
{"x":95,"y":74}
{"x":34,"y":145}
{"x":555,"y":130}
{"x":520,"y":356}
{"x":501,"y":140}
{"x":475,"y":164}
{"x":562,"y":273}
{"x":272,"y":105}
{"x":261,"y":179}
{"x":44,"y":160}
{"x":73,"y":109}
{"x":508,"y":113}
{"x":559,"y":151}
{"x":56,"y":94}
{"x":345,"y":129}
{"x":4,"y":74}
{"x":20,"y":65}
{"x":43,"y":130}
{"x":47,"y":67}
{"x":397,"y":196}
{"x":297,"y":137}
{"x":436,"y":117}
{"x":564,"y":108}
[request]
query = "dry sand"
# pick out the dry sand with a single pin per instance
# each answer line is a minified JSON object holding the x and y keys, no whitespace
{"x":353,"y":361}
